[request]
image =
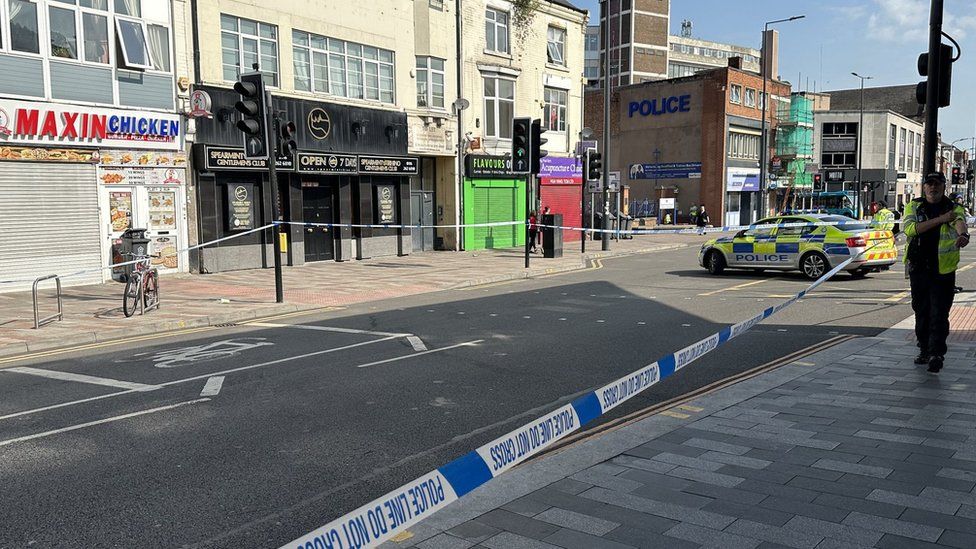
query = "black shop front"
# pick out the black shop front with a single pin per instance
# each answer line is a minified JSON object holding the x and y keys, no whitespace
{"x":351,"y":168}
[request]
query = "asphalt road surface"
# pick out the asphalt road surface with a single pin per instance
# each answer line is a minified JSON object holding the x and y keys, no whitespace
{"x":252,"y":435}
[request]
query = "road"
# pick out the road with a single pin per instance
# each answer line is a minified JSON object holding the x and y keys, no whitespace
{"x":251,"y":435}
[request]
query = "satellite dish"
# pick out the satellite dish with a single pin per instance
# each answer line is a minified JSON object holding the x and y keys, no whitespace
{"x":461,"y":104}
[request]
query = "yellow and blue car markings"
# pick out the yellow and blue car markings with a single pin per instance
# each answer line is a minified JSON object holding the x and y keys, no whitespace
{"x":780,"y":248}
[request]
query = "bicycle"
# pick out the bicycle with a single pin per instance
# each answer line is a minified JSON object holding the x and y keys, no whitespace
{"x":141,"y":287}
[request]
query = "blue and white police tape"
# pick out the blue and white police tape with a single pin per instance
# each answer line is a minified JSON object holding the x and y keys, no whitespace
{"x":392,"y":513}
{"x":134,"y":261}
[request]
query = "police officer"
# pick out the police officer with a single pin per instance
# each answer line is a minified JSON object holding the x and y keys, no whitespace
{"x":884,"y":219}
{"x":936,"y":230}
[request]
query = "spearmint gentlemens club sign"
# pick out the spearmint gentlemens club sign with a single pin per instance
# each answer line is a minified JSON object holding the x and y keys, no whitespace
{"x":657,"y":107}
{"x":554,"y":170}
{"x":28,"y":122}
{"x":388,"y":164}
{"x":670,"y":170}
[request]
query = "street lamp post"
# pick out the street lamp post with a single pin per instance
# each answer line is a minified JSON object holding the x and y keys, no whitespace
{"x":860,"y":134}
{"x":762,"y":134}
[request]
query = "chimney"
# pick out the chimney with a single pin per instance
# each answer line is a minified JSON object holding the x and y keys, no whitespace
{"x":770,"y":62}
{"x":735,"y":62}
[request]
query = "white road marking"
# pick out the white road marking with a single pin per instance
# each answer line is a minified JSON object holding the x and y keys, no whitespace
{"x":562,"y":319}
{"x":394,"y":359}
{"x":416,"y":343}
{"x":99,"y":422}
{"x":202,"y":376}
{"x":324,"y":329}
{"x":81,"y":378}
{"x":213,"y":386}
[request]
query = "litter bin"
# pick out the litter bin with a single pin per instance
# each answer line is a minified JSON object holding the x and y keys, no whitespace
{"x":134,"y":243}
{"x":552,"y":235}
{"x":625,"y":221}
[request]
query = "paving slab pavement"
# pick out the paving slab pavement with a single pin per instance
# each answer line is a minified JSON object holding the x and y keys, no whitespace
{"x":94,"y":312}
{"x":853,"y":446}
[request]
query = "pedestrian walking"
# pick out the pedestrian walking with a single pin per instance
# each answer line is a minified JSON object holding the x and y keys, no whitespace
{"x":694,"y":214}
{"x":702,"y":220}
{"x":936,"y":230}
{"x":533,"y":230}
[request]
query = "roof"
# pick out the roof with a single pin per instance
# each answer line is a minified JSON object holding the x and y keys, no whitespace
{"x":898,"y":99}
{"x":570,"y":5}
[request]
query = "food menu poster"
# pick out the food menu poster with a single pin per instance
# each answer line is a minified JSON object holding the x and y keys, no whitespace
{"x":120,"y":208}
{"x":162,"y":210}
{"x":165,"y":248}
{"x":240,"y":206}
{"x":142,"y":176}
{"x":142,"y":159}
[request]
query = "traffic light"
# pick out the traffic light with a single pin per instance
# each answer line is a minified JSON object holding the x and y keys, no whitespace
{"x":956,"y":173}
{"x":944,"y":81}
{"x":817,"y":180}
{"x":970,"y":175}
{"x":536,"y":141}
{"x":253,"y":122}
{"x":521,"y":128}
{"x":286,"y":139}
{"x":593,"y":165}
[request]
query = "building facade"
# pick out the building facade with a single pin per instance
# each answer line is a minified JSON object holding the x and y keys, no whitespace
{"x":891,"y":154}
{"x":638,"y":39}
{"x":371,"y":98}
{"x":516,"y":66}
{"x":695,"y":140}
{"x":689,"y":55}
{"x":91,"y":135}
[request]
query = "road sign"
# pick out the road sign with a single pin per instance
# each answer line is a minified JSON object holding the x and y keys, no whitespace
{"x":614,"y":185}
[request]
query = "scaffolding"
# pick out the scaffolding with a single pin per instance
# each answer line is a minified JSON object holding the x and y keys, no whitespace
{"x":794,"y":147}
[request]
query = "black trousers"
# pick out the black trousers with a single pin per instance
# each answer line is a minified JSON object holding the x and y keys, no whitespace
{"x":932,"y":296}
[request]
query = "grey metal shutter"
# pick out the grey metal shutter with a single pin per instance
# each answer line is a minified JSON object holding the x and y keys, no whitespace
{"x":48,"y":222}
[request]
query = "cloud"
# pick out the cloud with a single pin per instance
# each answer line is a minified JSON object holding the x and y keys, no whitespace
{"x":907,"y":20}
{"x":849,"y":13}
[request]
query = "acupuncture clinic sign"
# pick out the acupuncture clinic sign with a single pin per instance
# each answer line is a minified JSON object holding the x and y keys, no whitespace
{"x":34,"y":123}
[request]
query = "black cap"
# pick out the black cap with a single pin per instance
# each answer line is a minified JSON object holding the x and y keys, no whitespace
{"x":935,"y":177}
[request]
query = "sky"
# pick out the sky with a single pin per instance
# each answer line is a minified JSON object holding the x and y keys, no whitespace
{"x":878,"y":38}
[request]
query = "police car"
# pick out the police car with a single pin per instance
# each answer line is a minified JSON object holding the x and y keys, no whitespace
{"x":810,"y":249}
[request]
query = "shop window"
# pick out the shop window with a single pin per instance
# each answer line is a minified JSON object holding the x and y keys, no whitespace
{"x":499,"y":107}
{"x":430,"y":82}
{"x":496,"y":30}
{"x":556,"y":46}
{"x":244,"y":43}
{"x":554,"y":113}
{"x":735,"y":94}
{"x":132,"y":42}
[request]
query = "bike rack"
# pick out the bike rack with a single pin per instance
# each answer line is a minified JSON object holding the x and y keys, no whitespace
{"x":142,"y":302}
{"x":38,"y":322}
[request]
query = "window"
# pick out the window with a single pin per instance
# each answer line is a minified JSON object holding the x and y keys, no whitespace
{"x":243,"y":43}
{"x":918,"y":152}
{"x":554,"y":112}
{"x":795,"y":230}
{"x":344,"y":69}
{"x":891,"y":146}
{"x":499,"y":107}
{"x":743,"y":145}
{"x":750,"y":97}
{"x":23,"y":27}
{"x":64,"y":34}
{"x":593,"y":42}
{"x":132,"y":41}
{"x":735,"y":94}
{"x":132,"y":8}
{"x":436,"y":4}
{"x":838,"y":159}
{"x":901,"y":148}
{"x":911,"y":151}
{"x":430,"y":82}
{"x":95,"y":32}
{"x":556,"y":46}
{"x":496,"y":30}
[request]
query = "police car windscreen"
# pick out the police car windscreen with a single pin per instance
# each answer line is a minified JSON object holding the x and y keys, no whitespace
{"x":844,"y":222}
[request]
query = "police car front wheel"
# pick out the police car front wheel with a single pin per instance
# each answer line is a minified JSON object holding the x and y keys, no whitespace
{"x":715,"y":262}
{"x":813,"y":265}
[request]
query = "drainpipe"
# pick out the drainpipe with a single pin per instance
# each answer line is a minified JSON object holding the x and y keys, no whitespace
{"x":459,"y":202}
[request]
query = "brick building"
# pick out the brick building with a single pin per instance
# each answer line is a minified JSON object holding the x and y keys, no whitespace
{"x":694,"y":139}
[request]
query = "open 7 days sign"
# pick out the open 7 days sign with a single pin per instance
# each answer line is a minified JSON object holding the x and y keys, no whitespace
{"x":33,"y":123}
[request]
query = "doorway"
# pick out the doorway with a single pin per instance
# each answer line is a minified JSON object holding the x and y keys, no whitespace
{"x":317,"y":208}
{"x":422,"y":212}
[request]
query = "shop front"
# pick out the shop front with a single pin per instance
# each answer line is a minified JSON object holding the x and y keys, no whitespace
{"x":741,"y":195}
{"x":561,"y":190}
{"x":493,"y":194}
{"x":74,"y":177}
{"x":350,"y":169}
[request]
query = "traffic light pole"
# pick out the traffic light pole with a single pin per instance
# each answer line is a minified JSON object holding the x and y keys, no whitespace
{"x":276,"y":213}
{"x":528,"y":222}
{"x":932,"y":89}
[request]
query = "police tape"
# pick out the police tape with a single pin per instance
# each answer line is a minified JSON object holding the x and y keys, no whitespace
{"x":134,"y":261}
{"x":394,"y":512}
{"x":396,"y":226}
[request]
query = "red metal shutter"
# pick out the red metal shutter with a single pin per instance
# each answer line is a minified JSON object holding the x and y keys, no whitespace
{"x":564,"y":199}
